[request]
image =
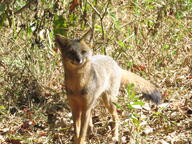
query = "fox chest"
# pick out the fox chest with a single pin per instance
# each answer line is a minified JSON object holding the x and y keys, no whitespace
{"x":75,"y":92}
{"x":83,"y":86}
{"x":76,"y":88}
{"x":82,"y":89}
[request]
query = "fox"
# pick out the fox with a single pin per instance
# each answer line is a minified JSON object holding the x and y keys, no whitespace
{"x":89,"y":77}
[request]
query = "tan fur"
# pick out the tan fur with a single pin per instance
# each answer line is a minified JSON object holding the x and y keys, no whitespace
{"x":141,"y":85}
{"x":89,"y":77}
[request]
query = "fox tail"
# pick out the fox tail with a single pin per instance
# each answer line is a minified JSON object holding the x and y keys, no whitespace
{"x":141,"y":85}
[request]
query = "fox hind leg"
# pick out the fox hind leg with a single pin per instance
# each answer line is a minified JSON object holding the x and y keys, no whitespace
{"x":108,"y":101}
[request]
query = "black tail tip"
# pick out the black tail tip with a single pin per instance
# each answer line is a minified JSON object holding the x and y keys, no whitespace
{"x":154,"y":96}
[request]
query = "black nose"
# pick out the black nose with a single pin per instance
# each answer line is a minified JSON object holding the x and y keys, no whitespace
{"x":78,"y":60}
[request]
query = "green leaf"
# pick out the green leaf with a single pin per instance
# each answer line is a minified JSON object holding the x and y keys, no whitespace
{"x":157,"y":114}
{"x":60,"y":25}
{"x":121,"y":44}
{"x":129,"y":106}
{"x":2,"y":108}
{"x":166,"y":47}
{"x":98,"y":28}
{"x":138,"y":103}
{"x":2,"y":8}
{"x":118,"y":106}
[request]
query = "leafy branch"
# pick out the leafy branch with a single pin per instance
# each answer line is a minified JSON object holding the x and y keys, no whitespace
{"x":101,"y":15}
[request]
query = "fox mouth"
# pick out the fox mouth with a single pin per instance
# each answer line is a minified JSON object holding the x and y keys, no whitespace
{"x":78,"y":62}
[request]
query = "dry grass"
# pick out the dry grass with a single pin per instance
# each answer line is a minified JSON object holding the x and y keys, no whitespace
{"x":151,"y":38}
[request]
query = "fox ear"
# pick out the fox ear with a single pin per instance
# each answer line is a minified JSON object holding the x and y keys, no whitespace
{"x":61,"y":41}
{"x":86,"y":34}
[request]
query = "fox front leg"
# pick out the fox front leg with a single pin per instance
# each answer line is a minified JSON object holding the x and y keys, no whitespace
{"x":85,"y":120}
{"x":76,"y":115}
{"x":77,"y":123}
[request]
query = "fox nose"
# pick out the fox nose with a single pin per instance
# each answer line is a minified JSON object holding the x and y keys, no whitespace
{"x":79,"y":60}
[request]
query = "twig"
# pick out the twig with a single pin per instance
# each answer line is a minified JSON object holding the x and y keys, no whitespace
{"x":93,"y":25}
{"x":101,"y":16}
{"x":105,"y":9}
{"x":98,"y":13}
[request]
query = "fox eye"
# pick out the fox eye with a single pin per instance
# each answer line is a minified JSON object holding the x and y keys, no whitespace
{"x":71,"y":52}
{"x":83,"y":51}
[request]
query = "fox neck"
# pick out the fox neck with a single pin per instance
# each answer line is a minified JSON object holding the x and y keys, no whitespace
{"x":77,"y":77}
{"x":79,"y":70}
{"x":76,"y":69}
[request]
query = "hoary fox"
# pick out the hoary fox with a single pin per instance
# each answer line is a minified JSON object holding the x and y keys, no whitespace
{"x":88,"y":77}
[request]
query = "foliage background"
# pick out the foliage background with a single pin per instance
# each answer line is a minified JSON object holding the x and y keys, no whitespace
{"x":150,"y":37}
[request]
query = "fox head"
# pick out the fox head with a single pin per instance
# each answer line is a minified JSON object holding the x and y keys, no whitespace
{"x":75,"y":53}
